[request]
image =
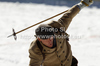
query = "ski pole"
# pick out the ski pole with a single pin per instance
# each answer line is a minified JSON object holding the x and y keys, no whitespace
{"x":14,"y":33}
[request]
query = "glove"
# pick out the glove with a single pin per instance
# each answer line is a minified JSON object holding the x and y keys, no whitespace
{"x":85,"y":3}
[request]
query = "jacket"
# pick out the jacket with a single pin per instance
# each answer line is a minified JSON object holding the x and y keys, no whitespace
{"x":61,"y":55}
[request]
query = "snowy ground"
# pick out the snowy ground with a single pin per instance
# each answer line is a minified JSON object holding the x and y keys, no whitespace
{"x":84,"y":32}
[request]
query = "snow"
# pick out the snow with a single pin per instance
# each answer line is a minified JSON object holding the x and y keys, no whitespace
{"x":84,"y":32}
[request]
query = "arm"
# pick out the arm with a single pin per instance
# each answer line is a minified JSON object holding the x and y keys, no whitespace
{"x":66,"y":19}
{"x":35,"y":56}
{"x":35,"y":59}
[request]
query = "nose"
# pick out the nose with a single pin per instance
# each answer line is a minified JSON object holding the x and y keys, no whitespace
{"x":51,"y":38}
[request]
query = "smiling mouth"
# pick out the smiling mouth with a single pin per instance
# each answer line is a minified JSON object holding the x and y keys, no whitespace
{"x":51,"y":44}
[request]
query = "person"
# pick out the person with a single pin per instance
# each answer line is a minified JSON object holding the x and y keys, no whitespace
{"x":51,"y":47}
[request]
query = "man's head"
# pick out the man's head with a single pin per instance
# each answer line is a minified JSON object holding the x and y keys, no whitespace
{"x":45,"y":34}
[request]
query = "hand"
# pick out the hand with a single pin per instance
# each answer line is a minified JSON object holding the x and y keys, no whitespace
{"x":84,"y":3}
{"x":87,"y":2}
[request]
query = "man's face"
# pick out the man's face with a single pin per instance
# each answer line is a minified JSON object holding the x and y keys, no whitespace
{"x":47,"y":42}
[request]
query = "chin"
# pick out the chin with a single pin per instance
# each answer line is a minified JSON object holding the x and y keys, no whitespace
{"x":50,"y":46}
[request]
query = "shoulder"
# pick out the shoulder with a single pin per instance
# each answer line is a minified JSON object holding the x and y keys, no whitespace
{"x":34,"y":47}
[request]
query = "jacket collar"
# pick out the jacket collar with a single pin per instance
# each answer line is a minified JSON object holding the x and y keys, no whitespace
{"x":47,"y":49}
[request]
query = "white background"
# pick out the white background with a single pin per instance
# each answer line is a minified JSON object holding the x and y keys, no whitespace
{"x":84,"y":32}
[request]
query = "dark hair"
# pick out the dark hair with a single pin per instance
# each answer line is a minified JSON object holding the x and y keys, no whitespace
{"x":44,"y":31}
